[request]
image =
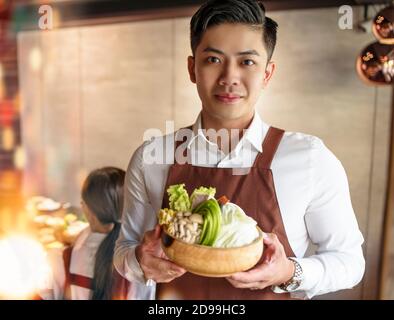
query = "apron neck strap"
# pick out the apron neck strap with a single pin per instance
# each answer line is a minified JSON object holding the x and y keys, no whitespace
{"x":67,"y":262}
{"x":179,"y":142}
{"x":270,"y":145}
{"x":185,"y":137}
{"x":71,"y":278}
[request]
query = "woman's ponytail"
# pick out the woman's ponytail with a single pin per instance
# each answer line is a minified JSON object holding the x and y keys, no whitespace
{"x":103,"y":268}
{"x":102,"y":192}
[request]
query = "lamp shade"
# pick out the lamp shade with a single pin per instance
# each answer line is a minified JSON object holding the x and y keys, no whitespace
{"x":383,"y":25}
{"x":375,"y":64}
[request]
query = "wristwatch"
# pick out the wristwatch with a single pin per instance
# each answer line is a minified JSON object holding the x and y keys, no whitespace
{"x":295,"y":281}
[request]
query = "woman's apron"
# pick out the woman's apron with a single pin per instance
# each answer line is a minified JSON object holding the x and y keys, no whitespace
{"x":120,"y":285}
{"x":255,"y":194}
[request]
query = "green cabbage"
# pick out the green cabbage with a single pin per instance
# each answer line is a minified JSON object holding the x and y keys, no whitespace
{"x":200,"y":195}
{"x":178,"y":198}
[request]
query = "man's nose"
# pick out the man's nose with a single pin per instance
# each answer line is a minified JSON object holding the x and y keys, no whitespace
{"x":230,"y":76}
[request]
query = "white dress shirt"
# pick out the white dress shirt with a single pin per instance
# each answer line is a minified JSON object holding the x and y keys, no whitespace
{"x":313,"y":196}
{"x":82,"y":263}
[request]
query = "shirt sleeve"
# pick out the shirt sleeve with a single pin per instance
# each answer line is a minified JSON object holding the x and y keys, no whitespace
{"x":338,"y":262}
{"x":138,"y":217}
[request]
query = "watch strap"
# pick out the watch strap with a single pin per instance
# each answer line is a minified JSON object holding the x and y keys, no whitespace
{"x":295,"y":281}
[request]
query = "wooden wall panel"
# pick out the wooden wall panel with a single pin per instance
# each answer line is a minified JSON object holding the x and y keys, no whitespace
{"x":61,"y":113}
{"x":187,"y":101}
{"x":126,"y":88}
{"x":30,"y":82}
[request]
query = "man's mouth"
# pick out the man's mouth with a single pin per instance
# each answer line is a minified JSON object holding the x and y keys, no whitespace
{"x":228,"y":98}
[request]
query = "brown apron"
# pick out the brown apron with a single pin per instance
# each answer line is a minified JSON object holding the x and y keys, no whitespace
{"x":120,"y":286}
{"x":255,"y":194}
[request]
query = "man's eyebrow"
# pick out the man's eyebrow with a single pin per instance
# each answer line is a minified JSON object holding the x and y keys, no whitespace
{"x":248,"y":52}
{"x":210,"y":49}
{"x":243,"y":53}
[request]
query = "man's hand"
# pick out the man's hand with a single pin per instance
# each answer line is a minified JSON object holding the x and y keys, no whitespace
{"x":274,"y":270}
{"x":153,"y":261}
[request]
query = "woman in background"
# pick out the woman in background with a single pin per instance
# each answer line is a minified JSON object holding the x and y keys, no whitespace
{"x":85,"y":270}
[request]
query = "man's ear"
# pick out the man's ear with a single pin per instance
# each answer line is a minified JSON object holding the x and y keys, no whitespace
{"x":269,"y":71}
{"x":190,"y":67}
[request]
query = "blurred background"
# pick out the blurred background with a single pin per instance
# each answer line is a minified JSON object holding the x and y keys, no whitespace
{"x":82,"y":80}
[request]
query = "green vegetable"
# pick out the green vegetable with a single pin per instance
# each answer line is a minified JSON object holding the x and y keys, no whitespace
{"x":178,"y":198}
{"x":200,"y":195}
{"x":212,"y":215}
{"x":204,"y":231}
{"x":237,"y":229}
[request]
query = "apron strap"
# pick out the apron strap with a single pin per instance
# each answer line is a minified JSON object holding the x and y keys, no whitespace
{"x":120,"y":287}
{"x":81,"y":281}
{"x":71,"y":278}
{"x":270,"y":145}
{"x":186,"y":154}
{"x":67,"y":262}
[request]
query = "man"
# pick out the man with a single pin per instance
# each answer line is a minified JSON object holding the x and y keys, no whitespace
{"x":294,"y":187}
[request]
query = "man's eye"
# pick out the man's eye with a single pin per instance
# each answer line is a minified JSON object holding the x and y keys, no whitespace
{"x":248,"y":62}
{"x":213,"y":60}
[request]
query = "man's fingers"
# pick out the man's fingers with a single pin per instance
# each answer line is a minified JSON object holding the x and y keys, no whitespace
{"x":248,"y":276}
{"x":163,"y":269}
{"x":273,"y":247}
{"x":270,"y":239}
{"x":248,"y":285}
{"x":169,"y":267}
{"x":254,"y":275}
{"x":157,"y":231}
{"x":148,"y":236}
{"x":152,"y":235}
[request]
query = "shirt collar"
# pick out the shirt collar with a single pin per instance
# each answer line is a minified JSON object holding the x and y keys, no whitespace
{"x":254,"y":134}
{"x":197,"y":132}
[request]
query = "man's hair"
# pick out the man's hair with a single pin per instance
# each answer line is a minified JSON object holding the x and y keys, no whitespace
{"x":216,"y":12}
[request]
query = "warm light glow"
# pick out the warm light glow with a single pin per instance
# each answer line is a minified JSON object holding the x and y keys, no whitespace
{"x":9,"y":180}
{"x":35,"y":59}
{"x":8,"y":139}
{"x":16,"y":103}
{"x":23,"y":269}
{"x":3,"y":5}
{"x":2,"y":90}
{"x":56,"y":18}
{"x":19,"y":158}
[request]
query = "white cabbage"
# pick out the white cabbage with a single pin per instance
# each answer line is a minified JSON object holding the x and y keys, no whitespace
{"x":237,"y":229}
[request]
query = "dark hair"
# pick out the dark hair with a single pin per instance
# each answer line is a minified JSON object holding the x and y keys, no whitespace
{"x":102,"y":193}
{"x":216,"y":12}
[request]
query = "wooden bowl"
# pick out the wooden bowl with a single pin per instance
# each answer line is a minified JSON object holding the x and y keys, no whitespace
{"x":212,"y":262}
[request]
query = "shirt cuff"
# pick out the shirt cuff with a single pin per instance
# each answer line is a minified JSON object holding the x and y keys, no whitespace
{"x":301,"y":295}
{"x":312,"y":272}
{"x":133,"y":268}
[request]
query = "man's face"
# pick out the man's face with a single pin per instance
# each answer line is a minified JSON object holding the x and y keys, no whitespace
{"x":230,"y":70}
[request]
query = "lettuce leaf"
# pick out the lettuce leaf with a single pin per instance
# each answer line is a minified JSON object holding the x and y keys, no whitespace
{"x":200,"y":195}
{"x":237,"y":229}
{"x":178,"y":198}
